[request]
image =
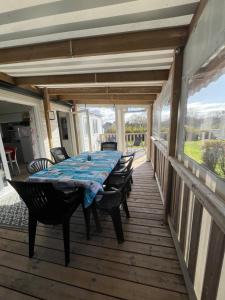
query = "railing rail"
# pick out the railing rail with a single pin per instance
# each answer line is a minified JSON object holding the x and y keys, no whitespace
{"x":197,"y":222}
{"x":212,"y":202}
{"x":132,"y":140}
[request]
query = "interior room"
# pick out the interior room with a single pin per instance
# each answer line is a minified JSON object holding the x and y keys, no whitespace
{"x":16,"y":131}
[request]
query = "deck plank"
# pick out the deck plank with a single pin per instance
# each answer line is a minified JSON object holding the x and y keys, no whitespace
{"x":145,"y":266}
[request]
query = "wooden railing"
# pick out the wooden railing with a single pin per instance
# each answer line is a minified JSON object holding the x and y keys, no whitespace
{"x":132,"y":140}
{"x":197,"y":222}
{"x":159,"y":159}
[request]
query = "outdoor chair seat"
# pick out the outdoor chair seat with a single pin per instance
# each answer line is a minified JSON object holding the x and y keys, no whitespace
{"x":109,"y":146}
{"x":50,"y":206}
{"x":59,"y":154}
{"x":112,"y":198}
{"x":39,"y":164}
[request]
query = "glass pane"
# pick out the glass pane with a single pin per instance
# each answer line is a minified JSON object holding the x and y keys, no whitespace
{"x":205,"y":118}
{"x":135,"y":130}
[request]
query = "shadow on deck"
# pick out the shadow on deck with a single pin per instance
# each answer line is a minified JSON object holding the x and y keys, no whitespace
{"x":145,"y":266}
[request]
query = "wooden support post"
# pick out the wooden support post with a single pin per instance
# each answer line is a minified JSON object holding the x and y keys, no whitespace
{"x":149,"y":132}
{"x":47,"y":108}
{"x":120,"y":128}
{"x":74,"y":109}
{"x":174,"y":107}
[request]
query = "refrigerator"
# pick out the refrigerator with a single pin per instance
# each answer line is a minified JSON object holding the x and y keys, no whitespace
{"x":23,"y":136}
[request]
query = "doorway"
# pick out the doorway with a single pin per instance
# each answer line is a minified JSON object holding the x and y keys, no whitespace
{"x":19,"y":138}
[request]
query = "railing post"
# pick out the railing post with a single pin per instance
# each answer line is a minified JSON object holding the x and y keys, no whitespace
{"x":174,"y":106}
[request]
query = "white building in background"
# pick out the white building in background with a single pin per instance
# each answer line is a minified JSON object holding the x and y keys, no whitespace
{"x":90,"y":127}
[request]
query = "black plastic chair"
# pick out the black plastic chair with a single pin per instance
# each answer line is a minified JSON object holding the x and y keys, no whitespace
{"x":48,"y":206}
{"x":109,"y":146}
{"x":124,"y":159}
{"x":38,"y":165}
{"x":59,"y":154}
{"x":121,"y":179}
{"x":125,"y":165}
{"x":111,"y":199}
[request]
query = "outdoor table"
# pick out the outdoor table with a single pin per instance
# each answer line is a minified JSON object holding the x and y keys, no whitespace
{"x":88,"y":170}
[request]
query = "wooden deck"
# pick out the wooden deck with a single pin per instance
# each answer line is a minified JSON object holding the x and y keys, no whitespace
{"x":145,"y":266}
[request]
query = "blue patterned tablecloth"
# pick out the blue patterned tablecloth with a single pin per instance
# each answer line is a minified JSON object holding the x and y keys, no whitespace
{"x":79,"y":171}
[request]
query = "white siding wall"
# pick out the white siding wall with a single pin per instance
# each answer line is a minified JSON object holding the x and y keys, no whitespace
{"x":54,"y":126}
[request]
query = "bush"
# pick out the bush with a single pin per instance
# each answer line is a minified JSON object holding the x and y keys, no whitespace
{"x":213,"y":155}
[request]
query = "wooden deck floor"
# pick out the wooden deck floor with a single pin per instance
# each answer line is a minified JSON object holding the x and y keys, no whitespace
{"x":143,"y":267}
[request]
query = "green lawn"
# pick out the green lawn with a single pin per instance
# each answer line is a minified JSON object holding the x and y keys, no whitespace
{"x":193,"y":150}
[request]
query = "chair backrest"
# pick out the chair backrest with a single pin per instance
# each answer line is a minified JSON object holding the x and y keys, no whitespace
{"x":59,"y":154}
{"x":137,"y":140}
{"x":109,"y":146}
{"x":43,"y":201}
{"x":129,"y":163}
{"x":13,"y":153}
{"x":38,"y":165}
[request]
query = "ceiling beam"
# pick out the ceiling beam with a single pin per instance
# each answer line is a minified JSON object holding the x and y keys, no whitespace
{"x":112,"y":102}
{"x":154,"y":75}
{"x":157,"y":39}
{"x":150,"y":97}
{"x":6,"y":78}
{"x":106,"y":90}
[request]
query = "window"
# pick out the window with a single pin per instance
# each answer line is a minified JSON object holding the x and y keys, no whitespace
{"x":64,"y":128}
{"x":95,"y":125}
{"x":205,"y":117}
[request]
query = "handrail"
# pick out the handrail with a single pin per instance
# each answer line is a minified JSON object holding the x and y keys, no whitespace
{"x":212,"y":202}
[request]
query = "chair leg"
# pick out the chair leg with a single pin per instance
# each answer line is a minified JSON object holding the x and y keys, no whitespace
{"x":18,"y":168}
{"x":32,"y":232}
{"x":66,"y":239}
{"x":131,"y":180}
{"x":117,"y":223}
{"x":96,"y":218}
{"x":87,"y":218}
{"x":125,"y":207}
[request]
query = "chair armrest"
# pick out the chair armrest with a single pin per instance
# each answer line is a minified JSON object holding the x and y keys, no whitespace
{"x":112,"y":191}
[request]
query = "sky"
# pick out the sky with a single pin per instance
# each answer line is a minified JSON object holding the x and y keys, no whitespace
{"x":108,"y":113}
{"x":210,"y":98}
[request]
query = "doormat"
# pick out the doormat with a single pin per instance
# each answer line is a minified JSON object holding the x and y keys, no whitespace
{"x":13,"y":213}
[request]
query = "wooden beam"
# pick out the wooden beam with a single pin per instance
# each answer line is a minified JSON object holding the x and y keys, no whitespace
{"x":154,"y":75}
{"x":136,"y":97}
{"x":47,"y":108}
{"x":106,"y":90}
{"x":197,"y":15}
{"x":6,"y":78}
{"x":174,"y":106}
{"x":112,"y":102}
{"x":165,"y":38}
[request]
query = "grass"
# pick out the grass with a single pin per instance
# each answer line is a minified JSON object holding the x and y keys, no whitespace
{"x":193,"y":149}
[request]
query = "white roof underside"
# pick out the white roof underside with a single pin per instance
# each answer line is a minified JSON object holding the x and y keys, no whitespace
{"x":34,"y":21}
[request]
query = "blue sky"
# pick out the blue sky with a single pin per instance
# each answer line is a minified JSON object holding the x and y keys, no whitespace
{"x":213,"y":93}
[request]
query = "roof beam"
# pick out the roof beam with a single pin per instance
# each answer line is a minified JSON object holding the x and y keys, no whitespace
{"x":6,"y":78}
{"x":137,"y":97}
{"x":157,"y":39}
{"x":153,"y":75}
{"x":106,"y":90}
{"x":112,"y":102}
